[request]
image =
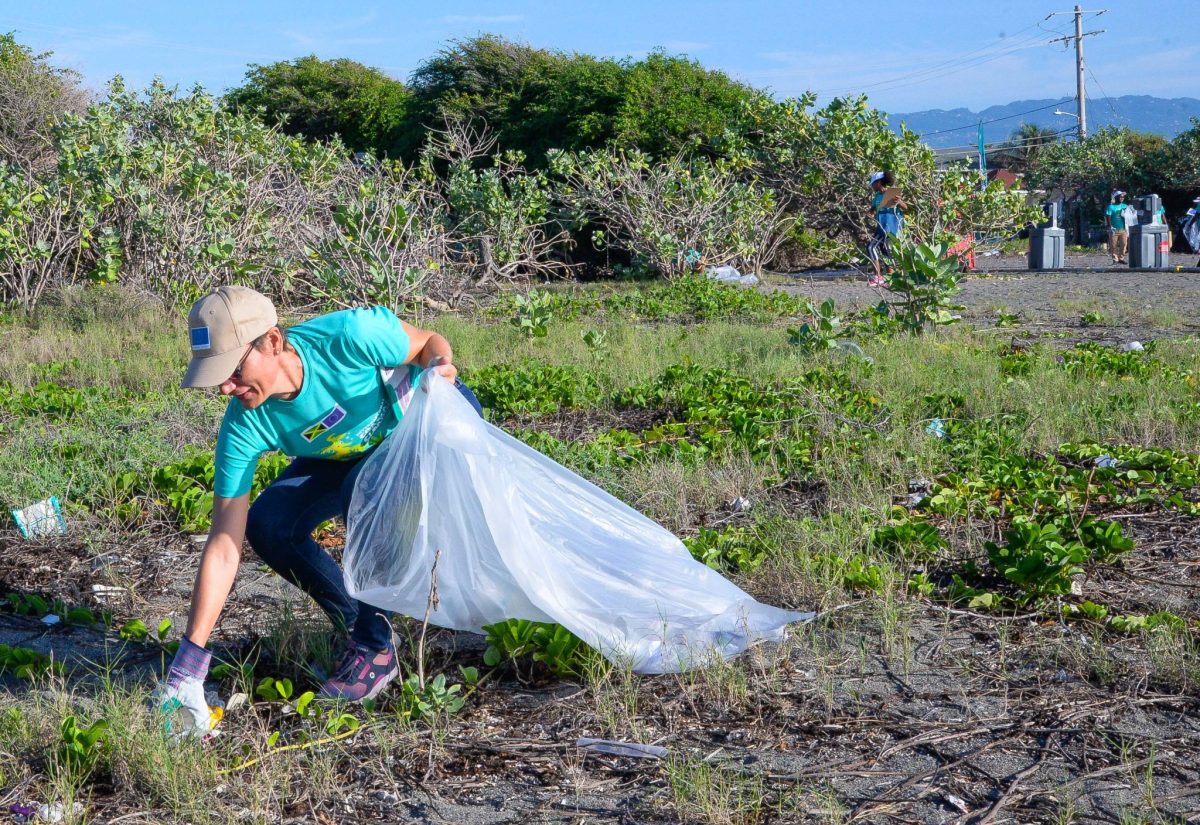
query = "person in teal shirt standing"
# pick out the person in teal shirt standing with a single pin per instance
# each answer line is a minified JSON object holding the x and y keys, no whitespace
{"x":326,"y":391}
{"x":888,"y":220}
{"x":1118,"y":233}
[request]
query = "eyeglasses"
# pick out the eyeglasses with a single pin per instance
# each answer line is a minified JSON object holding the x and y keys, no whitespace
{"x":237,"y":371}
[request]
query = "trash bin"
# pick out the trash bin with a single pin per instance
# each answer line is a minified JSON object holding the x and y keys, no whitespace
{"x":1149,"y":241}
{"x":1047,"y":242}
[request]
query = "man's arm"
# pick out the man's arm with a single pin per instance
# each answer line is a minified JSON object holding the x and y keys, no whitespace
{"x":429,"y":349}
{"x":218,"y":566}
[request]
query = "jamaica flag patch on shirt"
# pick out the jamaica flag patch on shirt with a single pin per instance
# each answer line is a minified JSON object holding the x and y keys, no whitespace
{"x":325,"y":424}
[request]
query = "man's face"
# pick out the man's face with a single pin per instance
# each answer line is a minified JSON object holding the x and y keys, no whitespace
{"x":248,"y":381}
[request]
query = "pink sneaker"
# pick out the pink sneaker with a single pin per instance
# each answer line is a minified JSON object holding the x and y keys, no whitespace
{"x":361,"y":674}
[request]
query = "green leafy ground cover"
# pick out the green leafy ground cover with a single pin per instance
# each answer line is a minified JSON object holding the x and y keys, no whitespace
{"x":943,"y":475}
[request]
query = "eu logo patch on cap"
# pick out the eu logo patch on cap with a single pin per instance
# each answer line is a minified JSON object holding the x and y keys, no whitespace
{"x":200,"y":338}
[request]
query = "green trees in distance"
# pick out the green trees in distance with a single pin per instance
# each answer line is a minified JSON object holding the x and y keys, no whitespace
{"x":1119,"y":158}
{"x":533,"y":100}
{"x":1025,"y":144}
{"x":322,"y":99}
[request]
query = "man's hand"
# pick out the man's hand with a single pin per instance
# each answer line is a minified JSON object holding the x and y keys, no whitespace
{"x":184,"y":709}
{"x":443,"y":367}
{"x":181,"y":697}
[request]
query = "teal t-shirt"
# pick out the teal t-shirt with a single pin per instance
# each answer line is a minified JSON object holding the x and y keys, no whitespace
{"x":343,"y":409}
{"x":877,"y":201}
{"x":1116,"y":214}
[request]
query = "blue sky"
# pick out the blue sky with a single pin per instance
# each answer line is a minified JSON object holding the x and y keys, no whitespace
{"x":905,"y":54}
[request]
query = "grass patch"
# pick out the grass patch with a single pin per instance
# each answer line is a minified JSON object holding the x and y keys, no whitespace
{"x":979,"y":552}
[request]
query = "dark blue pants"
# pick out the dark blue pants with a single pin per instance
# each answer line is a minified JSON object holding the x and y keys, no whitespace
{"x":280,"y":526}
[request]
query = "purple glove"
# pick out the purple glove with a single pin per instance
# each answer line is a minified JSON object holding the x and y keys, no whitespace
{"x":190,"y":662}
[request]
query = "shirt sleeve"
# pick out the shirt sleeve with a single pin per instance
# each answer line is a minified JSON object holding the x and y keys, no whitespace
{"x":376,"y":337}
{"x":238,"y":451}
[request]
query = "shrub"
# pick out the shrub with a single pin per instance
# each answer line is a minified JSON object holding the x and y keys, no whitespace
{"x":679,"y":215}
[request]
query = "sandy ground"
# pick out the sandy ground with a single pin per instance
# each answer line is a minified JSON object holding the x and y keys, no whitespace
{"x":958,"y":718}
{"x":1136,"y":304}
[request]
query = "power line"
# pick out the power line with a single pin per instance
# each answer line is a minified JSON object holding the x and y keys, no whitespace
{"x":942,"y":69}
{"x":972,"y":63}
{"x":966,"y":59}
{"x":1107,"y":98}
{"x":993,"y":120}
{"x":1007,"y":144}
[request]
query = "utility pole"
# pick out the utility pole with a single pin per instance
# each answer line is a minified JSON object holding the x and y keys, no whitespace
{"x":1080,"y":90}
{"x":1080,"y":95}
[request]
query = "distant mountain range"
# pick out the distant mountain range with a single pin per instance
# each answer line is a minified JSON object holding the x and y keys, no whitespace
{"x":957,"y":127}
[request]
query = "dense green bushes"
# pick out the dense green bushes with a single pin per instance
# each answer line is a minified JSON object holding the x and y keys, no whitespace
{"x":1120,"y":158}
{"x":326,"y":99}
{"x":535,"y":100}
{"x":527,"y":162}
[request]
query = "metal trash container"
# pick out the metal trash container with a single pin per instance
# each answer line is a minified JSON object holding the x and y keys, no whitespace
{"x":1149,"y":241}
{"x":1047,"y":242}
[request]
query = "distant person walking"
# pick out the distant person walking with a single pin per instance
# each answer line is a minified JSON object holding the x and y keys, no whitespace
{"x":1118,"y":233}
{"x":887,"y":204}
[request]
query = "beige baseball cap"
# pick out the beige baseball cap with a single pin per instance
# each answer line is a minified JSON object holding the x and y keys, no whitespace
{"x":221,"y":326}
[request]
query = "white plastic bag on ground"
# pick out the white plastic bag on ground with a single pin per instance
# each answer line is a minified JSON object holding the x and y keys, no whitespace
{"x":729,"y":275}
{"x":522,"y":537}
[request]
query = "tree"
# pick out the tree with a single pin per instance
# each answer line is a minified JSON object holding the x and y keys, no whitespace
{"x":817,"y":163}
{"x":34,"y":96}
{"x":321,"y":99}
{"x":1025,"y":144}
{"x":1112,"y":158}
{"x":673,"y":104}
{"x":1181,"y":164}
{"x":677,"y":214}
{"x":535,"y":100}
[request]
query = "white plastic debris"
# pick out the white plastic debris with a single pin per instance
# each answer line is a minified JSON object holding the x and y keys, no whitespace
{"x":612,"y":748}
{"x":1133,"y":346}
{"x":729,"y":275}
{"x":105,"y":592}
{"x":741,"y":504}
{"x":851,"y":348}
{"x":936,"y":428}
{"x":957,"y":802}
{"x":51,"y":618}
{"x":57,"y":811}
{"x":42,"y":518}
{"x":1105,"y":462}
{"x":106,"y":559}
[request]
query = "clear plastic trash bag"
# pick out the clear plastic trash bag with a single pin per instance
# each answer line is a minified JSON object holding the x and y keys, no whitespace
{"x":730,"y":275}
{"x":521,"y":537}
{"x":1191,"y":231}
